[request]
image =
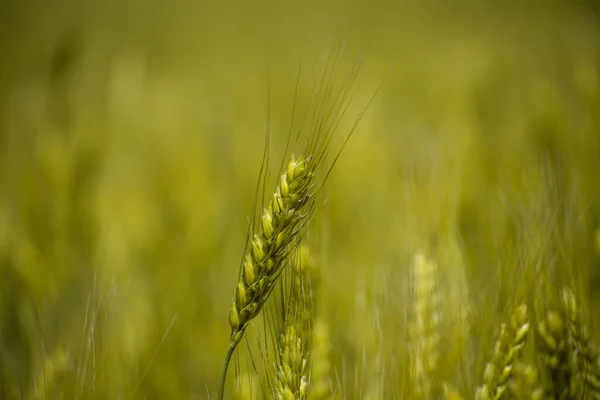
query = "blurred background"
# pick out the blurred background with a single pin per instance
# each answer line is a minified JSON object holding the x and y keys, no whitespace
{"x":131,"y":137}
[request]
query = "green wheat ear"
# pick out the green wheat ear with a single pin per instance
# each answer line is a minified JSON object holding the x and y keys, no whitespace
{"x":308,"y":284}
{"x":585,"y":379}
{"x":279,"y":234}
{"x":292,"y":370}
{"x":292,"y":367}
{"x":286,"y":219}
{"x":552,"y":348}
{"x":270,"y":249}
{"x":507,"y":350}
{"x":425,"y":326}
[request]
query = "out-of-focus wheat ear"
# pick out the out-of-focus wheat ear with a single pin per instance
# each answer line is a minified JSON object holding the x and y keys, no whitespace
{"x":585,"y":379}
{"x":291,"y":374}
{"x":507,"y":350}
{"x":292,"y":366}
{"x":425,"y":326}
{"x":552,"y":343}
{"x":490,"y":375}
{"x":525,"y":384}
{"x":519,"y":330}
{"x":320,"y":387}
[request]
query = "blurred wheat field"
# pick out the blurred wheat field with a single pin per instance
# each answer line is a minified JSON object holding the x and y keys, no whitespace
{"x":456,"y":253}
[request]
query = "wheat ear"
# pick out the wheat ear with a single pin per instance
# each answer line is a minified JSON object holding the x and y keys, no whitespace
{"x":292,"y":205}
{"x":585,"y":380}
{"x":281,"y":224}
{"x":279,"y":234}
{"x":293,"y":364}
{"x":552,"y":345}
{"x":426,"y":324}
{"x":292,"y":367}
{"x":507,"y":350}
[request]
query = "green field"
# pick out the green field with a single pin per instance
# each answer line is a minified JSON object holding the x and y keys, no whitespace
{"x":452,"y":253}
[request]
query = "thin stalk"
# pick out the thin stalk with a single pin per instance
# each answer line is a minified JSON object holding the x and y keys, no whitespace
{"x":230,"y":350}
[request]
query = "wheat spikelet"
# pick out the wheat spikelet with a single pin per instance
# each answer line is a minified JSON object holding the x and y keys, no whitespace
{"x":425,"y":324}
{"x":507,"y":350}
{"x":585,"y":381}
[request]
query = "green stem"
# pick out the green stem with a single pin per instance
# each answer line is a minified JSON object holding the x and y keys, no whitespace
{"x":230,"y":350}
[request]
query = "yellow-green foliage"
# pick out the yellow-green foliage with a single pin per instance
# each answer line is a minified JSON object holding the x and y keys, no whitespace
{"x":453,"y":250}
